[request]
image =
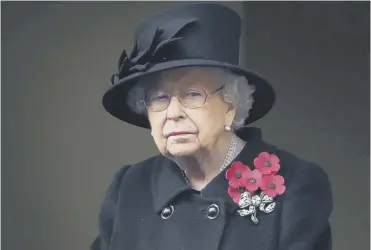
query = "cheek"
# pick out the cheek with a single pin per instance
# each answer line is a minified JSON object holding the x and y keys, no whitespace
{"x":216,"y":110}
{"x":210,"y":124}
{"x":157,"y":122}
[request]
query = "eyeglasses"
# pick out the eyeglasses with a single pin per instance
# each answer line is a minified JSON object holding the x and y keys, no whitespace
{"x":190,"y":98}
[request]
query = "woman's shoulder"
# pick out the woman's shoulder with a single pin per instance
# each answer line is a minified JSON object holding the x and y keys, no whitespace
{"x":139,"y":169}
{"x":295,"y":168}
{"x":290,"y":164}
{"x":136,"y":174}
{"x":304,"y":180}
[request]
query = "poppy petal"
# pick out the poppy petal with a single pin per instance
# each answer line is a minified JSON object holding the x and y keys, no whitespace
{"x":234,"y":194}
{"x":245,"y":169}
{"x":267,"y":179}
{"x":264,"y":155}
{"x":230,"y":174}
{"x":274,"y":159}
{"x":234,"y":183}
{"x":257,"y":163}
{"x":256,"y":174}
{"x":252,"y":187}
{"x":271,"y":192}
{"x":279,"y":180}
{"x":280,"y":189}
{"x":236,"y":165}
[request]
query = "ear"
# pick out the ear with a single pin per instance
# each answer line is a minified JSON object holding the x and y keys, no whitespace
{"x":229,"y":114}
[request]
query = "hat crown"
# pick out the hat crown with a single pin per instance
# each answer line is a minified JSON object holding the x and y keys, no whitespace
{"x":197,"y":31}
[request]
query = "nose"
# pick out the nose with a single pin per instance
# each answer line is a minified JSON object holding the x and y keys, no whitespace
{"x":175,"y":109}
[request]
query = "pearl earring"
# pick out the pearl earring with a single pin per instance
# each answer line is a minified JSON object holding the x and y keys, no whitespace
{"x":227,"y":128}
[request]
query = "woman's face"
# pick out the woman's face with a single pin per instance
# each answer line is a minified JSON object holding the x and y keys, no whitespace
{"x":179,"y":130}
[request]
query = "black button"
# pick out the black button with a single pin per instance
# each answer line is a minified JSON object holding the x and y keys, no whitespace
{"x":212,"y":211}
{"x":167,"y":212}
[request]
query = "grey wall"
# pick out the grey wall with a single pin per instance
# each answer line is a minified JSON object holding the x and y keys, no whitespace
{"x":60,"y":149}
{"x":316,"y":54}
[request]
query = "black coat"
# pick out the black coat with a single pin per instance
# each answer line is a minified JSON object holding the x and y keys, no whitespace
{"x":130,"y":217}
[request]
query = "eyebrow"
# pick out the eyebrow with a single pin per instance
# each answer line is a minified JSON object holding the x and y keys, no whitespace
{"x":157,"y":81}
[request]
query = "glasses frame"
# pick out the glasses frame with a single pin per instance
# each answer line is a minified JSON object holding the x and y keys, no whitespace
{"x":177,"y":96}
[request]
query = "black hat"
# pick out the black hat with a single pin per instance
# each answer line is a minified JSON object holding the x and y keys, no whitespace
{"x":196,"y":35}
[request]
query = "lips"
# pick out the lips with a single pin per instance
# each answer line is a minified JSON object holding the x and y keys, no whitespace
{"x":178,"y":133}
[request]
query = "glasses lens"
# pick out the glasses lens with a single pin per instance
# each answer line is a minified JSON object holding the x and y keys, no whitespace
{"x":157,"y":101}
{"x":192,"y":98}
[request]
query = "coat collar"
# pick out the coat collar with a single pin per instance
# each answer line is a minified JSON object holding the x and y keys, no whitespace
{"x":168,"y":182}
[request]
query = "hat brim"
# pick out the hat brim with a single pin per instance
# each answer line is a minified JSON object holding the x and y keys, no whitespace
{"x":115,"y":98}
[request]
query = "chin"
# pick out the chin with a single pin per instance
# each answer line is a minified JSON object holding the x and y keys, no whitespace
{"x":182,"y":150}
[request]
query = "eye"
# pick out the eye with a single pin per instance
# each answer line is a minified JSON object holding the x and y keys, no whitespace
{"x":161,"y":96}
{"x":192,"y":93}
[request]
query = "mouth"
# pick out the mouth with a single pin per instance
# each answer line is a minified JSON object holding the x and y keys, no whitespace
{"x":178,"y":133}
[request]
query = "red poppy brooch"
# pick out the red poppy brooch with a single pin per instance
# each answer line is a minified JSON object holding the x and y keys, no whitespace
{"x":255,"y":190}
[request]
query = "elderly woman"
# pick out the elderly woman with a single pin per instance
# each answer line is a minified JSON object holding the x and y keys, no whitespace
{"x":215,"y":183}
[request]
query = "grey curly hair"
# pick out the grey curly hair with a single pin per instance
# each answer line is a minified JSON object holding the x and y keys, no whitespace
{"x":236,"y":91}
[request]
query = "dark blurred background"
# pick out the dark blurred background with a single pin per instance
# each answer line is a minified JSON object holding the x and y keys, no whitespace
{"x":60,"y":149}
